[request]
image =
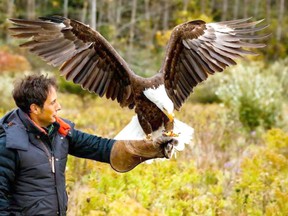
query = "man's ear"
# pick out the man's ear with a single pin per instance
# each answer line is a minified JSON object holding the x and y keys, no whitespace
{"x":35,"y":109}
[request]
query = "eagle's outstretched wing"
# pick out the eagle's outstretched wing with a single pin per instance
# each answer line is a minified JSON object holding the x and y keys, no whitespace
{"x":84,"y":55}
{"x":197,"y":49}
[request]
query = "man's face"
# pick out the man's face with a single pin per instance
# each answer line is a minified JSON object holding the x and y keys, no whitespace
{"x":47,"y":114}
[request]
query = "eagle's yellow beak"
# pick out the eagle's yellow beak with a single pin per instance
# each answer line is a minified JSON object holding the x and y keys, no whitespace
{"x":170,"y":116}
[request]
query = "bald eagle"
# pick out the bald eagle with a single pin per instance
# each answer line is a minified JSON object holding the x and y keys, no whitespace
{"x":195,"y":50}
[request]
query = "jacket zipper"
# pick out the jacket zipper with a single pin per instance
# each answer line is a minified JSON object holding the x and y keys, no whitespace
{"x":50,"y":157}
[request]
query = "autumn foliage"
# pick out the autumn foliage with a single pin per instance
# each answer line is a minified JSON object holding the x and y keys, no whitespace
{"x":13,"y":62}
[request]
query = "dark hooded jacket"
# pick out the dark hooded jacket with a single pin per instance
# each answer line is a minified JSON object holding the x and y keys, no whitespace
{"x":33,"y":161}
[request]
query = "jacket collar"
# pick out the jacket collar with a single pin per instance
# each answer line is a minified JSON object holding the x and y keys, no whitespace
{"x":18,"y":128}
{"x":30,"y":125}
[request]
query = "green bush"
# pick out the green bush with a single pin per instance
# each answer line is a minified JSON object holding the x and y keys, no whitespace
{"x":69,"y":87}
{"x":206,"y":92}
{"x":280,"y":70}
{"x":254,"y":97}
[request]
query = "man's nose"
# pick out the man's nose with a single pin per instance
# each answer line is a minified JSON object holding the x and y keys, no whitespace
{"x":58,"y":107}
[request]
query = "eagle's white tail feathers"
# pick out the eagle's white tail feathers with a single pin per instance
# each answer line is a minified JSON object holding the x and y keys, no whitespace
{"x":133,"y":131}
{"x":185,"y":134}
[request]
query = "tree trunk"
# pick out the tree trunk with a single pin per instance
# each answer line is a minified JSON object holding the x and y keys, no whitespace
{"x":93,"y":14}
{"x":245,"y":9}
{"x":268,"y":10}
{"x":119,"y":12}
{"x":224,"y":10}
{"x":10,"y":12}
{"x":65,"y":8}
{"x":10,"y":8}
{"x":132,"y":28}
{"x":100,"y":12}
{"x":166,"y":10}
{"x":280,"y":19}
{"x":147,"y":10}
{"x":212,"y":5}
{"x":31,"y":9}
{"x":256,"y":8}
{"x":111,"y":13}
{"x":236,"y":9}
{"x":84,"y":11}
{"x":203,"y":6}
{"x":185,"y":5}
{"x":44,"y":5}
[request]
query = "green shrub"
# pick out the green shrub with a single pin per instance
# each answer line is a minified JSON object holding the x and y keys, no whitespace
{"x":206,"y":91}
{"x":69,"y":87}
{"x":280,"y":70}
{"x":254,"y":97}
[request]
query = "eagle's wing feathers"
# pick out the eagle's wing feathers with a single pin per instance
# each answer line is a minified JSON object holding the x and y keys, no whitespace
{"x":197,"y":49}
{"x":84,"y":55}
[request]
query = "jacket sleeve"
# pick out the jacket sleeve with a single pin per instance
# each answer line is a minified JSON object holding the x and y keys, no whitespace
{"x":7,"y":175}
{"x":89,"y":146}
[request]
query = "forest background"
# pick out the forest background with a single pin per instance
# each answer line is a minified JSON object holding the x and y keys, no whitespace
{"x":237,"y":164}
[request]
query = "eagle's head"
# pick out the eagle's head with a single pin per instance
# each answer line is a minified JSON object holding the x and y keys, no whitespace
{"x":160,"y":98}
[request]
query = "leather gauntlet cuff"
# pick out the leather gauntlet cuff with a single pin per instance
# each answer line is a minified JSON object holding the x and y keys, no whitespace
{"x":127,"y":154}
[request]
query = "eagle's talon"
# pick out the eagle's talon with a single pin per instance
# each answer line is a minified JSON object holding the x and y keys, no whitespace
{"x":170,"y":134}
{"x":149,"y":137}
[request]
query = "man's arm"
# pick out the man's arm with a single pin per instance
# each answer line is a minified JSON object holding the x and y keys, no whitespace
{"x":123,"y":155}
{"x":89,"y":146}
{"x":7,"y":175}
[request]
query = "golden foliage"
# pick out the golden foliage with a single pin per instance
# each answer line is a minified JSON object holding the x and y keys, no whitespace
{"x":276,"y":138}
{"x":162,"y":37}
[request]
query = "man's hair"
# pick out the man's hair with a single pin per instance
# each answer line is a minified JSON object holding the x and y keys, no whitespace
{"x":32,"y":89}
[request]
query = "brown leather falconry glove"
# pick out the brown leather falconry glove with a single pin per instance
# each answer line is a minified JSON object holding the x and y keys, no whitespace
{"x":127,"y":154}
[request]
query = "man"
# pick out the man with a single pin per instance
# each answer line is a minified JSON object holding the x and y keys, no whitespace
{"x":35,"y":142}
